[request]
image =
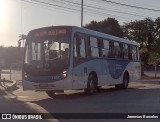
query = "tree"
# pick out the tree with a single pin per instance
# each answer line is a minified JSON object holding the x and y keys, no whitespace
{"x":154,"y":58}
{"x":108,"y":26}
{"x":146,"y":32}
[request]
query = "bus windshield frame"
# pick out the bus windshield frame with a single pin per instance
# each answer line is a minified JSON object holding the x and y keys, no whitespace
{"x":47,"y":54}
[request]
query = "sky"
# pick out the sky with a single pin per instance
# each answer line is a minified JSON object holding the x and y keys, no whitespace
{"x":20,"y":16}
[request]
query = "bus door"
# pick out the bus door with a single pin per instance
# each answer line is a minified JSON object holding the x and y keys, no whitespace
{"x":79,"y":65}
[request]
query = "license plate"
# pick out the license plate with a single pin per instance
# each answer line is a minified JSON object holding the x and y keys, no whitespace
{"x":43,"y":84}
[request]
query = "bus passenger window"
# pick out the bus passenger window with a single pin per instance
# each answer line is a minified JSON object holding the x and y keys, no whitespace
{"x":105,"y":50}
{"x":100,"y":45}
{"x":134,"y":53}
{"x":130,"y":53}
{"x":138,"y":57}
{"x":117,"y":51}
{"x":126,"y":51}
{"x":94,"y":47}
{"x":122,"y":50}
{"x":110,"y":53}
{"x":79,"y":47}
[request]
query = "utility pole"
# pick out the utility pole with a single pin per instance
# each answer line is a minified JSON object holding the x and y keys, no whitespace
{"x":82,"y":14}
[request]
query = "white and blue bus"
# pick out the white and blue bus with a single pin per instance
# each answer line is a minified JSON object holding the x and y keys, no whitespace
{"x":62,"y":58}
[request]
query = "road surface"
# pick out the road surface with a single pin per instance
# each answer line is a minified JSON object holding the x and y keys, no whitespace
{"x":140,"y":97}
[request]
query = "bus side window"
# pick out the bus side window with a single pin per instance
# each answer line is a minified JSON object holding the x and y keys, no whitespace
{"x":126,"y":51}
{"x":94,"y":47}
{"x":138,"y":57}
{"x":79,"y":47}
{"x":134,"y":53}
{"x":100,"y":45}
{"x":88,"y":47}
{"x":110,"y":53}
{"x":130,"y":52}
{"x":122,"y":50}
{"x":105,"y":50}
{"x":117,"y":51}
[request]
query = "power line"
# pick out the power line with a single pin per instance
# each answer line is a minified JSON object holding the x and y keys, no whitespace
{"x":98,"y":8}
{"x":62,"y":7}
{"x":89,"y":9}
{"x":51,"y":4}
{"x":132,"y":6}
{"x":119,"y":10}
{"x":68,"y":2}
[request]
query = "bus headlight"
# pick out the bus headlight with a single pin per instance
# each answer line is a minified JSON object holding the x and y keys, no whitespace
{"x":25,"y":76}
{"x":64,"y":75}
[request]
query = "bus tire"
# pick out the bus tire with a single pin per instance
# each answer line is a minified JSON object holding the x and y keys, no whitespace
{"x":125,"y":83}
{"x":91,"y":84}
{"x":50,"y":93}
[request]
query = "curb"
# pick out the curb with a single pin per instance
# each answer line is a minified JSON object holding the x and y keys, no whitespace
{"x":9,"y":86}
{"x":2,"y":90}
{"x":12,"y":85}
{"x":151,"y":80}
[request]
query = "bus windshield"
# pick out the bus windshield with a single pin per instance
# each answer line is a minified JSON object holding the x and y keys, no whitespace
{"x":45,"y":56}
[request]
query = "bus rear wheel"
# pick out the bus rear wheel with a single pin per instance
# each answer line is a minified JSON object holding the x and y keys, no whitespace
{"x":91,"y":85}
{"x":50,"y":93}
{"x":125,"y":83}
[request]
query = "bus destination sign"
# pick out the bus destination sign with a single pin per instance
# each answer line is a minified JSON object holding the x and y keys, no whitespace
{"x":45,"y":33}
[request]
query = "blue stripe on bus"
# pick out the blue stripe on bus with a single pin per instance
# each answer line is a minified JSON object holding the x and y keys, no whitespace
{"x":113,"y":67}
{"x":117,"y":67}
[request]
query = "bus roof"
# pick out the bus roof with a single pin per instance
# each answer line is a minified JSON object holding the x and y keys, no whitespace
{"x":90,"y":32}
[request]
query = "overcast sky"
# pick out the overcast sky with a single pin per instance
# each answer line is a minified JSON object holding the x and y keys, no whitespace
{"x":21,"y":16}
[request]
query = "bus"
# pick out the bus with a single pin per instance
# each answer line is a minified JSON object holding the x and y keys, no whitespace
{"x":62,"y":58}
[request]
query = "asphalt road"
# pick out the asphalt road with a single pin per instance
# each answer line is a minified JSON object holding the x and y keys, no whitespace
{"x":140,"y":97}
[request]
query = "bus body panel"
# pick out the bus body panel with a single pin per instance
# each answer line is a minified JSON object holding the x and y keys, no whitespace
{"x":82,"y":71}
{"x":109,"y":71}
{"x":134,"y":69}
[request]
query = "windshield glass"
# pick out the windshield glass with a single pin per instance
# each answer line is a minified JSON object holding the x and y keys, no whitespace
{"x":47,"y":54}
{"x":56,"y":49}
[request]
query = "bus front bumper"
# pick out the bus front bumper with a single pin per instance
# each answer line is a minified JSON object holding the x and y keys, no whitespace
{"x":64,"y":84}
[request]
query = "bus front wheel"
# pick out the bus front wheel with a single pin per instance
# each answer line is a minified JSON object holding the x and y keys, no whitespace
{"x":50,"y":93}
{"x":91,"y":85}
